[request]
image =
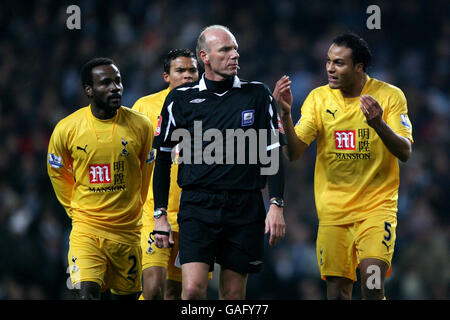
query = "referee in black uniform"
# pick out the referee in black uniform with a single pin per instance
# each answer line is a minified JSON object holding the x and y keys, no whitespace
{"x":222,"y":216}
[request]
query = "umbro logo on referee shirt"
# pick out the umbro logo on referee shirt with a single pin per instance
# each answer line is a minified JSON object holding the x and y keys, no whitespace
{"x":197,"y":100}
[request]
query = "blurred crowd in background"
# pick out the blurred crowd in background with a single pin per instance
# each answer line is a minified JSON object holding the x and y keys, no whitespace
{"x":40,"y":61}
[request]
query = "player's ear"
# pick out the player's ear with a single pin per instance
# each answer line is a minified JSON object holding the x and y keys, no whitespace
{"x":166,"y":77}
{"x":88,"y":91}
{"x":204,"y":56}
{"x":359,"y":67}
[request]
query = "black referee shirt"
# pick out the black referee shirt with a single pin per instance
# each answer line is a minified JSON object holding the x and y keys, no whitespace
{"x":246,"y":106}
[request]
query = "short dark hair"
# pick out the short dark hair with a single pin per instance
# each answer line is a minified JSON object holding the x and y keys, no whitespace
{"x":173,"y":54}
{"x":86,"y":70}
{"x":360,"y":48}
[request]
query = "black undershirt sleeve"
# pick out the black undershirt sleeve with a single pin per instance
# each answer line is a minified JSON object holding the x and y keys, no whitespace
{"x":161,"y":179}
{"x":276,"y":181}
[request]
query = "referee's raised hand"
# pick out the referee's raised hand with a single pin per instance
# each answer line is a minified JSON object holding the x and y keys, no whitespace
{"x":275,"y":224}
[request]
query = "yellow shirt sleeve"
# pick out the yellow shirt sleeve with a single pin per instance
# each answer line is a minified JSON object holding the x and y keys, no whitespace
{"x":147,"y":162}
{"x":397,"y":115}
{"x":306,"y":128}
{"x":59,"y":168}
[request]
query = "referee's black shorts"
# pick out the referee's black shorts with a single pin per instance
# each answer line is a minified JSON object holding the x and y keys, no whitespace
{"x":226,"y":227}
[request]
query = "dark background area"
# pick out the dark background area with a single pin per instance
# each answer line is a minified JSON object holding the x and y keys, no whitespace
{"x":40,"y":61}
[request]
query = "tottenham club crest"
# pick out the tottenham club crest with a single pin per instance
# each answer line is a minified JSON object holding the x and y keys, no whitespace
{"x":124,"y":151}
{"x":74,"y":267}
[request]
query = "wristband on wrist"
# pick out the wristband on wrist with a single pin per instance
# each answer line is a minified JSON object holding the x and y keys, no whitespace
{"x":278,"y":202}
{"x":159,"y":212}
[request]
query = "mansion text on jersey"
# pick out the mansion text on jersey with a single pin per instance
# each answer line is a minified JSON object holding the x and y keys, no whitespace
{"x":352,"y":156}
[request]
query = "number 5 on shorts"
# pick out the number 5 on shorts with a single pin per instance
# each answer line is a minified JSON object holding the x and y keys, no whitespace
{"x":388,"y":235}
{"x":387,"y":227}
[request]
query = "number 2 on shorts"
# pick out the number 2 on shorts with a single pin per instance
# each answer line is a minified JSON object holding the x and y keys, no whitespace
{"x":132,"y":272}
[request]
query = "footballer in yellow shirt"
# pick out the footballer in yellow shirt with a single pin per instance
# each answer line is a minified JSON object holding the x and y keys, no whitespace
{"x":362,"y":129}
{"x":162,"y":278}
{"x":99,"y":163}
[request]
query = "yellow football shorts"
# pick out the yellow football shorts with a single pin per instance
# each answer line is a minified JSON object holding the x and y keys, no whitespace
{"x":160,"y":257}
{"x":111,"y":264}
{"x":340,"y":248}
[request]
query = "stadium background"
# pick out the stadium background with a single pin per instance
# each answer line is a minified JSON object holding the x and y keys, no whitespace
{"x":40,"y":61}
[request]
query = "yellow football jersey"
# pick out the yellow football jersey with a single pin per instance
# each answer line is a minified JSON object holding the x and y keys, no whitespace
{"x":355,"y":174}
{"x":151,"y":106}
{"x":100,"y":171}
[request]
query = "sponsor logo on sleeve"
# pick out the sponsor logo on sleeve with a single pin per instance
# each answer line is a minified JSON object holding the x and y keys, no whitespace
{"x":151,"y":156}
{"x":280,"y":125}
{"x":55,"y":161}
{"x":158,"y":126}
{"x":405,"y":121}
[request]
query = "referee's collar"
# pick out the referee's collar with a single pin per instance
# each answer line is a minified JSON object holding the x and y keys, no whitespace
{"x":202,"y":84}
